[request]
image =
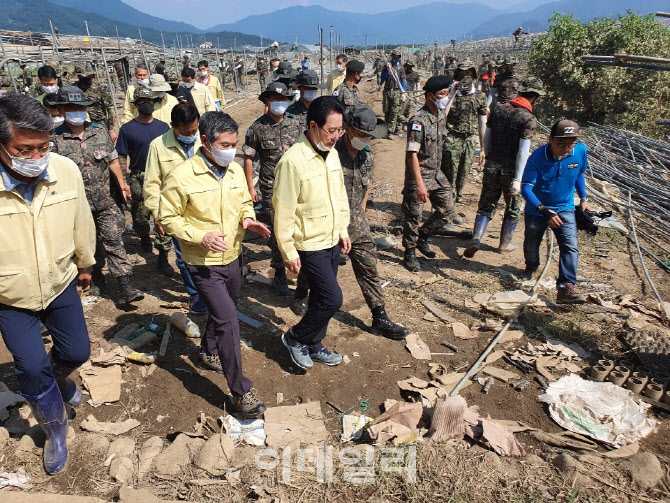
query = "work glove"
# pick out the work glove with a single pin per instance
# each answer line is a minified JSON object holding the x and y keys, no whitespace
{"x":515,"y":188}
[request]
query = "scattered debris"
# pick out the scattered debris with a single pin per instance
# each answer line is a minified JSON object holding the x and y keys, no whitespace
{"x":461,"y":331}
{"x":174,"y":459}
{"x":216,"y":455}
{"x":508,"y":303}
{"x":185,"y":325}
{"x":429,"y":390}
{"x":284,"y":425}
{"x":7,"y":399}
{"x":500,"y":374}
{"x":645,"y":469}
{"x":103,"y":383}
{"x":165,"y":340}
{"x":600,"y":410}
{"x":116,"y":356}
{"x":449,"y":346}
{"x":14,"y":479}
{"x":399,"y":420}
{"x":487,"y":385}
{"x":417,"y":347}
{"x":151,"y":448}
{"x":384,"y":243}
{"x":437,"y":311}
{"x":248,"y":321}
{"x":353,"y":426}
{"x":251,"y":431}
{"x":430,"y":317}
{"x":554,"y":355}
{"x":93,"y":425}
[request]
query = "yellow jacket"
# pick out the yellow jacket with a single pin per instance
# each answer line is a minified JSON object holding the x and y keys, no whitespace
{"x":43,"y":244}
{"x":335,"y":78}
{"x":129,"y":109}
{"x":165,"y":154}
{"x":202,"y":98}
{"x":310,"y":200}
{"x":215,"y":89}
{"x":194,"y":202}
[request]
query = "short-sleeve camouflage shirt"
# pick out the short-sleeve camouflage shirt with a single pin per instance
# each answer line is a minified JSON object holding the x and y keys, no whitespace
{"x":462,"y":117}
{"x":357,"y":172}
{"x":425,"y":132}
{"x":348,"y":95}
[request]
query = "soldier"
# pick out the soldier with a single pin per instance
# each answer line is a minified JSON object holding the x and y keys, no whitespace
{"x":101,"y":110}
{"x":379,"y":67}
{"x":361,"y":126}
{"x":412,"y":78}
{"x":5,"y":82}
{"x":134,"y":139}
{"x":506,"y":83}
{"x":466,"y":116}
{"x":269,"y":137}
{"x":65,"y":77}
{"x":212,"y":83}
{"x":27,"y":76}
{"x":347,"y":92}
{"x":48,"y":82}
{"x":308,"y":85}
{"x":424,"y":180}
{"x":239,"y":72}
{"x":91,"y":148}
{"x":261,"y":71}
{"x":487,"y":75}
{"x":507,"y":144}
{"x":272,"y":76}
{"x":120,"y":72}
{"x":394,"y":87}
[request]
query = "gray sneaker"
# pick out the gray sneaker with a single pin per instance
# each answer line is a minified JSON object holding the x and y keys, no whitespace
{"x":210,"y":362}
{"x":299,"y":352}
{"x":325,"y":356}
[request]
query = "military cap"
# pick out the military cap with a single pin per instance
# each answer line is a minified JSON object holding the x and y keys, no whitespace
{"x":308,"y":78}
{"x":158,"y":84}
{"x":437,"y":83}
{"x":81,"y":71}
{"x":362,"y":118}
{"x":532,"y":85}
{"x":274,"y":88}
{"x":143,"y":92}
{"x":71,"y":95}
{"x":466,"y":65}
{"x":356,"y":66}
{"x":565,"y":129}
{"x":510,"y":60}
{"x":285,"y":70}
{"x":396,"y":52}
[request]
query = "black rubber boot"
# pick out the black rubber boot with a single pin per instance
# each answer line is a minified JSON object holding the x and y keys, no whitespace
{"x":127,"y":293}
{"x":145,"y":243}
{"x":410,"y":262}
{"x":280,"y":282}
{"x":382,"y":325}
{"x":163,"y":265}
{"x":506,"y":236}
{"x":481,"y":223}
{"x":423,"y":246}
{"x":97,"y":283}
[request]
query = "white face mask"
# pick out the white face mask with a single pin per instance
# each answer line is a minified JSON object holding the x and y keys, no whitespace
{"x":278,"y":107}
{"x":28,"y":167}
{"x":340,"y":68}
{"x":50,"y":89}
{"x":441,"y":103}
{"x":143,"y":82}
{"x":359,"y":143}
{"x":223,"y":157}
{"x":320,"y":146}
{"x":203,"y":73}
{"x":310,"y":94}
{"x":296,"y":95}
{"x":76,"y":118}
{"x":187,"y":85}
{"x":58,"y":121}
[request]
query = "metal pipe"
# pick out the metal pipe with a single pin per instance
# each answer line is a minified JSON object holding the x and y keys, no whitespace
{"x":111,"y":87}
{"x":639,"y":252}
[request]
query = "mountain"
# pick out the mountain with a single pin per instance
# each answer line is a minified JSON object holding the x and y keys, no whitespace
{"x":538,"y":18}
{"x":116,"y":10}
{"x":415,"y":25}
{"x":34,"y":15}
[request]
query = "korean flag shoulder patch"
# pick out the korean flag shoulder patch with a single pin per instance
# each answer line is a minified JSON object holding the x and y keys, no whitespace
{"x":417,"y":127}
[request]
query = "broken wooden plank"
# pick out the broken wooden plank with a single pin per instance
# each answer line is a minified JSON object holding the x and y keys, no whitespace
{"x":438,"y":312}
{"x":165,"y":340}
{"x":248,"y":321}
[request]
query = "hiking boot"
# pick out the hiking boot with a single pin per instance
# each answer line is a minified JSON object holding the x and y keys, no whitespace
{"x":145,"y":243}
{"x":127,"y":293}
{"x":299,"y":306}
{"x":506,"y":236}
{"x":280,"y":282}
{"x":248,"y":405}
{"x":423,"y":246}
{"x":481,"y":222}
{"x":210,"y":362}
{"x":196,"y":305}
{"x":298,"y":352}
{"x":568,"y":295}
{"x":326,"y":356}
{"x":97,"y":283}
{"x":163,"y":265}
{"x":344,"y":259}
{"x":410,"y":262}
{"x":382,"y":325}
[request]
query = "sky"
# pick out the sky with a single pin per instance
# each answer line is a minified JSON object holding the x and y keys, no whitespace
{"x":206,"y":13}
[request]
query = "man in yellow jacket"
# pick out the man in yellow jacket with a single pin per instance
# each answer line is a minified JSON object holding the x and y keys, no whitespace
{"x":212,"y":83}
{"x":141,"y":79}
{"x":202,"y":98}
{"x":311,"y":220}
{"x":48,"y":245}
{"x":205,"y":203}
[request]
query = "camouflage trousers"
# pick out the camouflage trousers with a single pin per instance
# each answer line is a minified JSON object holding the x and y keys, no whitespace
{"x":458,"y":153}
{"x":277,"y":261}
{"x":109,"y":227}
{"x":393,"y":109}
{"x":441,"y":200}
{"x":495,"y":184}
{"x":142,"y":216}
{"x":363,"y":257}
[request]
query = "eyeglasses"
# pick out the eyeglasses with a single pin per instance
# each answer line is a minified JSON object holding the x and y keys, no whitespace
{"x":28,"y":154}
{"x":335,"y":132}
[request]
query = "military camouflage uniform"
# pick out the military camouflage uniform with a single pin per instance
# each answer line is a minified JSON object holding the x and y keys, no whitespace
{"x":357,"y":179}
{"x":27,"y":79}
{"x":262,"y":71}
{"x":269,"y":140}
{"x":508,"y":124}
{"x":102,"y":109}
{"x":299,"y":111}
{"x":379,"y":67}
{"x":348,"y":95}
{"x":506,"y":85}
{"x":425,"y":134}
{"x":93,"y":154}
{"x":392,"y":94}
{"x":460,"y":141}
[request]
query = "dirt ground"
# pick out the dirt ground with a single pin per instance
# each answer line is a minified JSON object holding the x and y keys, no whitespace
{"x":172,"y":398}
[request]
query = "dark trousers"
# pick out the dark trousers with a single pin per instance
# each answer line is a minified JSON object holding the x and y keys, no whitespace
{"x":21,"y":331}
{"x":566,"y":235}
{"x":219,"y":287}
{"x":325,"y":298}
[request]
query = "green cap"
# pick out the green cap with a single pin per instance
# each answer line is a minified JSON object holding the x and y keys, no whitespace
{"x":532,"y":85}
{"x":143,"y":92}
